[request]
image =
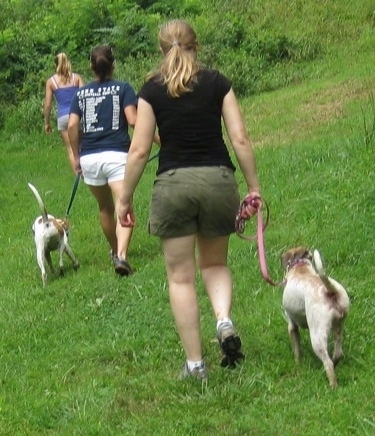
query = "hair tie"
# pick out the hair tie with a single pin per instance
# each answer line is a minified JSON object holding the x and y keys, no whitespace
{"x":175,"y":42}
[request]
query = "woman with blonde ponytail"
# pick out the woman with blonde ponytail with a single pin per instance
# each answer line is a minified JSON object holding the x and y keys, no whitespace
{"x":63,"y":85}
{"x":179,"y":67}
{"x":195,"y":195}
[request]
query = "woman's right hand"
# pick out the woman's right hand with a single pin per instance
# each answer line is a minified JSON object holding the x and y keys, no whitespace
{"x":77,"y":165}
{"x":126,"y":215}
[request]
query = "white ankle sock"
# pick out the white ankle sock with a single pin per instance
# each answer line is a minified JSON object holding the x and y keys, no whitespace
{"x":222,"y":321}
{"x":191,"y":365}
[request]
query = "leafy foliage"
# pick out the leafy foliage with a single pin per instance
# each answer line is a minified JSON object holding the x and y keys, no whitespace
{"x":247,"y":40}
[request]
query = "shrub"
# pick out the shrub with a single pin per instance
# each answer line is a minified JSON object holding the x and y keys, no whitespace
{"x":135,"y":35}
{"x":26,"y":117}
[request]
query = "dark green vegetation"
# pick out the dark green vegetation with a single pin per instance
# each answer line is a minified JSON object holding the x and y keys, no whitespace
{"x":261,"y":45}
{"x":95,"y":354}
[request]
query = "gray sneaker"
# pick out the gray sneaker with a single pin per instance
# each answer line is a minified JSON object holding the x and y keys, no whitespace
{"x":230,"y":344}
{"x":199,"y":372}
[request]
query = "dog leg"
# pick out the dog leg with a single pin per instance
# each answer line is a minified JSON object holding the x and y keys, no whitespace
{"x":337,"y":331}
{"x":319,"y":342}
{"x":40,"y":258}
{"x":294,"y":335}
{"x":49,"y":261}
{"x":61,"y":261}
{"x":69,"y":252}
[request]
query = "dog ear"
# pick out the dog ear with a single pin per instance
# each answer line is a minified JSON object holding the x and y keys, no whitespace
{"x":308,"y":255}
{"x":285,"y":259}
{"x":302,"y":253}
{"x":64,"y":223}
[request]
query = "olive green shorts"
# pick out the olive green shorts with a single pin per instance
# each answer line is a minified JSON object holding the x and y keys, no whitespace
{"x":197,"y":200}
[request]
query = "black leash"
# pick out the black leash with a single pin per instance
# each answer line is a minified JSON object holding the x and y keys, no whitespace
{"x":76,"y":183}
{"x":154,"y":156}
{"x":73,"y":194}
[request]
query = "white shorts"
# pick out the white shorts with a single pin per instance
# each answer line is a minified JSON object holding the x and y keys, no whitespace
{"x":100,"y":168}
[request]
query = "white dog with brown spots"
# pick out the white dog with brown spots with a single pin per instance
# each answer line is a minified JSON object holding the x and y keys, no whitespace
{"x":50,"y":234}
{"x":315,"y":301}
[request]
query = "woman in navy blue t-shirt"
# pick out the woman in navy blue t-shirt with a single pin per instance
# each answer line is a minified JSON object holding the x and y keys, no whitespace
{"x":106,"y":108}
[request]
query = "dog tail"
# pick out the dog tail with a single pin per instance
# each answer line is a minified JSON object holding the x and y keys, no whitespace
{"x":322,"y":274}
{"x":40,"y":202}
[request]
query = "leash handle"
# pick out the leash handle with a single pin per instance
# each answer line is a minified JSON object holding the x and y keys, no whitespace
{"x":73,"y":194}
{"x":240,"y":225}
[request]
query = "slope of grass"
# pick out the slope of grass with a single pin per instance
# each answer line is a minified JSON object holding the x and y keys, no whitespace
{"x":95,"y":354}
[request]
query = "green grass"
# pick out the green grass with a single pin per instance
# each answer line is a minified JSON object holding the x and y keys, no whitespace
{"x":94,"y":354}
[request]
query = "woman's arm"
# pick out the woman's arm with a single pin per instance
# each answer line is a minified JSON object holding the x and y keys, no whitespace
{"x":139,"y":151}
{"x":130,"y":115}
{"x":80,"y":81}
{"x":241,"y":143}
{"x":48,"y":107}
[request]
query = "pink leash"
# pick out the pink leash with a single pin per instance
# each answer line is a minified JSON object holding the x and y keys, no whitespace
{"x":240,"y":225}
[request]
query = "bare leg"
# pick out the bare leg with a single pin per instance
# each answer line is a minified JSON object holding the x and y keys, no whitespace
{"x":179,"y":256}
{"x":65,"y":138}
{"x":216,"y":275}
{"x":103,"y":195}
{"x":218,"y":282}
{"x":123,"y":234}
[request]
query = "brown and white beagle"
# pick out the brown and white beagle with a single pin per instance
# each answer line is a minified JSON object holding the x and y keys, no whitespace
{"x":50,"y":234}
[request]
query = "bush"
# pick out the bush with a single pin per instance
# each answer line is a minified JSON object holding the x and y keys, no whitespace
{"x":247,"y":40}
{"x":280,"y":48}
{"x":26,"y":117}
{"x":135,"y":35}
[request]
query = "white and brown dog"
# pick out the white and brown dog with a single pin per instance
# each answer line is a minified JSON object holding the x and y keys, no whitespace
{"x":315,"y":301}
{"x":50,"y":234}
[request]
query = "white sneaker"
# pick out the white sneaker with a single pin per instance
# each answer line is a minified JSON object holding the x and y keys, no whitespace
{"x":199,"y":372}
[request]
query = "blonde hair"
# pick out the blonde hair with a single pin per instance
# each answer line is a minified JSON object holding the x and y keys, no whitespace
{"x":179,"y":67}
{"x":63,"y":67}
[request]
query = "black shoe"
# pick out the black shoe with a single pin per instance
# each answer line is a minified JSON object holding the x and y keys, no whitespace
{"x":122,"y":267}
{"x":230,"y":344}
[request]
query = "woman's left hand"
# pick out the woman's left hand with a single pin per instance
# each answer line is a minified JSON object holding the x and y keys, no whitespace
{"x":251,"y":204}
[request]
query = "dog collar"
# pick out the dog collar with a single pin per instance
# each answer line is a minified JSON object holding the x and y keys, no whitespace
{"x":299,"y":262}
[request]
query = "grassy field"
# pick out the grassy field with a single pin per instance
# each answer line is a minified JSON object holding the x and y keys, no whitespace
{"x":93,"y":354}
